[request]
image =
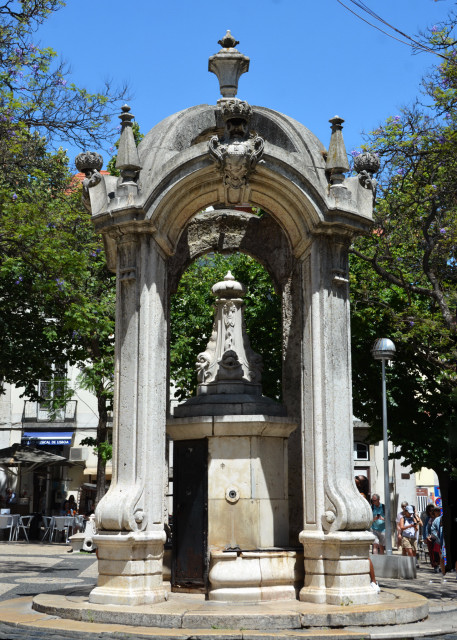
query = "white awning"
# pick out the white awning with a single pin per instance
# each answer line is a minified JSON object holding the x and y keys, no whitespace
{"x":92,"y":471}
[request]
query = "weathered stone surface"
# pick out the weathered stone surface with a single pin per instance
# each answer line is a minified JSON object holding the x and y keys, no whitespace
{"x":318,"y":211}
{"x":394,"y":566}
{"x":229,"y":372}
{"x":226,"y":231}
{"x":190,"y":614}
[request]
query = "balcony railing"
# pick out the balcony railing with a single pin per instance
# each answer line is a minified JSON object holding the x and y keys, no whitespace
{"x":37,"y":412}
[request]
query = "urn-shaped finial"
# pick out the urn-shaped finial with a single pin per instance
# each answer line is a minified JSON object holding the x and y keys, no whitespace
{"x":228,"y":288}
{"x":368,"y":162}
{"x":228,"y":41}
{"x":88,"y":162}
{"x":228,"y":64}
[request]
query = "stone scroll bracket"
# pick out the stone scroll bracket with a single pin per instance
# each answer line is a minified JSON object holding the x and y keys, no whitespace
{"x":334,"y":504}
{"x":134,"y":501}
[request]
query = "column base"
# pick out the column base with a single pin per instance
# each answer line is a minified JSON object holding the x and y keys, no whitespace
{"x":337,"y":569}
{"x":129,"y":568}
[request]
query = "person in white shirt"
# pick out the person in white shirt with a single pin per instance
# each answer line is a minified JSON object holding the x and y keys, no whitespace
{"x":409,"y":525}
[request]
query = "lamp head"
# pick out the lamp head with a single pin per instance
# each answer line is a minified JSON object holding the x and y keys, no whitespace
{"x":383,"y":349}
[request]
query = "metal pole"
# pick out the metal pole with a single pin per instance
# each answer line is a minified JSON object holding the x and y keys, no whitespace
{"x":386,"y":463}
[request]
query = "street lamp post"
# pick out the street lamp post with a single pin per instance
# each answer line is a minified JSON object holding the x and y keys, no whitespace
{"x":384,"y":349}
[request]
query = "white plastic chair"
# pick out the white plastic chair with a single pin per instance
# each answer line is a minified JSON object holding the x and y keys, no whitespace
{"x":48,"y":522}
{"x":62,"y":524}
{"x":24,"y":524}
{"x":8,"y":522}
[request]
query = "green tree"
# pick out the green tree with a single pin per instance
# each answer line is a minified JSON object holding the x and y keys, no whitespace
{"x":57,"y":296}
{"x":37,"y":98}
{"x":403,"y":275}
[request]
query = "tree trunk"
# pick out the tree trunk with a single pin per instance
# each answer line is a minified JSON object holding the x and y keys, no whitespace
{"x":448,"y":488}
{"x":102,"y":436}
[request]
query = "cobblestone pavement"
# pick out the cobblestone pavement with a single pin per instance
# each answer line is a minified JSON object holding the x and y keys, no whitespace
{"x":30,"y":569}
{"x":440,"y":590}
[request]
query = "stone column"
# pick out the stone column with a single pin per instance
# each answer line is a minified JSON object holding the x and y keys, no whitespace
{"x":129,"y":518}
{"x":336,"y":517}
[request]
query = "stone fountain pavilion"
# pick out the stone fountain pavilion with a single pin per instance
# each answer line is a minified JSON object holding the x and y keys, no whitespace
{"x":266,"y":508}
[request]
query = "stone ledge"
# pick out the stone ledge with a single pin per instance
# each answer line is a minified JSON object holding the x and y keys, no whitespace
{"x":394,"y":566}
{"x":192,"y":612}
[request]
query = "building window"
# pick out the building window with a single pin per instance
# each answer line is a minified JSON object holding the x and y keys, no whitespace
{"x":54,"y":405}
{"x":361,"y":451}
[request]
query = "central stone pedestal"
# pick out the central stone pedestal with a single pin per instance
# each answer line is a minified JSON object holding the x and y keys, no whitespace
{"x":129,"y":568}
{"x":255,"y":576}
{"x":248,"y":527}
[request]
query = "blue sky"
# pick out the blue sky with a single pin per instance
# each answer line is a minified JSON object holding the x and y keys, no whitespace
{"x":308,"y":60}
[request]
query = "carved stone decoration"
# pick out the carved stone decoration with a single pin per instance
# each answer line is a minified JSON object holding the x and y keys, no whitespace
{"x":128,"y":161}
{"x":229,"y":372}
{"x":238,"y":153}
{"x":337,"y":163}
{"x":228,"y":65}
{"x":89,"y":163}
{"x":229,"y":367}
{"x":366,"y":164}
{"x":228,"y":356}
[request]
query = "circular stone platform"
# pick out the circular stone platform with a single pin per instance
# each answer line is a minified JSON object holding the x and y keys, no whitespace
{"x":183,"y":611}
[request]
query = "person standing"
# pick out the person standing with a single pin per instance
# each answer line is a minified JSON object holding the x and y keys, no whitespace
{"x":399,"y":517}
{"x":378,"y":526}
{"x":433,"y":552}
{"x":436,"y":535}
{"x":409,"y":525}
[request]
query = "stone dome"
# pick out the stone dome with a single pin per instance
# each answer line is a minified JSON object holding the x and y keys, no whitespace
{"x":196,"y":125}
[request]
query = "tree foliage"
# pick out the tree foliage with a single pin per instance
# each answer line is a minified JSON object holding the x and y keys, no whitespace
{"x":404,"y":275}
{"x":37,"y":98}
{"x":56,"y":292}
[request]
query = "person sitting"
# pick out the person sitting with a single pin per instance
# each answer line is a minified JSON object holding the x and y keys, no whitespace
{"x":72,"y":506}
{"x":10,"y":497}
